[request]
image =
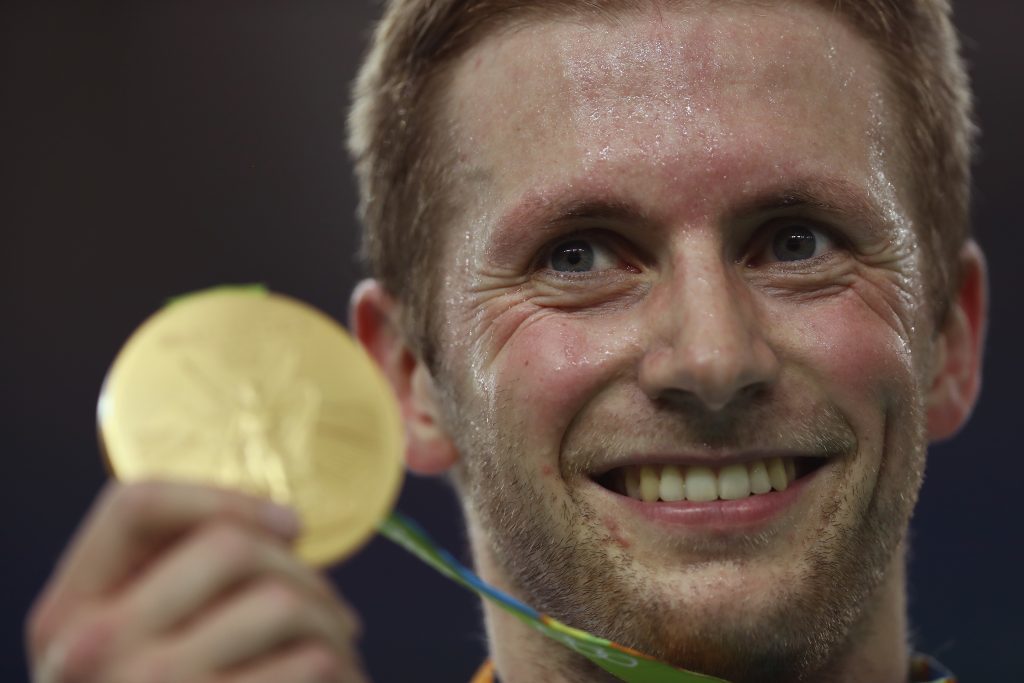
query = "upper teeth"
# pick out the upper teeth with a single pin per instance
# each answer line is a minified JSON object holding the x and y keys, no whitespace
{"x":670,"y":483}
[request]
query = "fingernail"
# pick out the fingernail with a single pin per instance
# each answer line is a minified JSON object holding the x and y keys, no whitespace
{"x":282,"y":520}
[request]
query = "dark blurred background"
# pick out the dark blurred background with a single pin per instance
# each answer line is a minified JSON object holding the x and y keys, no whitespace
{"x":153,"y":148}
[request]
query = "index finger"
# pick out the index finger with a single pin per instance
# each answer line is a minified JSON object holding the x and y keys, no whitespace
{"x":130,"y":522}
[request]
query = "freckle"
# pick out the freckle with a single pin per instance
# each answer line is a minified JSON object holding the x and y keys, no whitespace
{"x":526,"y":364}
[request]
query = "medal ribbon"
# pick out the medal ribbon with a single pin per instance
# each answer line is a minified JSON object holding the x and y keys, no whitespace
{"x":622,"y":662}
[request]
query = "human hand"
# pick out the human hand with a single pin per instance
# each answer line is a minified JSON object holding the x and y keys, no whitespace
{"x":171,"y":583}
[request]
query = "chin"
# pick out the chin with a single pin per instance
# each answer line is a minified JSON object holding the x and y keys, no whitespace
{"x":743,"y":624}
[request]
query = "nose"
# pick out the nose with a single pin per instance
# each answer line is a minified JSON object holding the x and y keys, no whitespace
{"x":707,"y":343}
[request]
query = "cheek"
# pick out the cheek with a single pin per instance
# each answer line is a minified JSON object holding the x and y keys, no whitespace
{"x":551,"y":367}
{"x":859,"y":358}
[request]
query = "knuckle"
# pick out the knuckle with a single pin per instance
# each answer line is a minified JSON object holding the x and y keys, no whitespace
{"x":136,"y":502}
{"x":232,"y":543}
{"x":232,"y":504}
{"x":320,"y":664}
{"x":282,"y":600}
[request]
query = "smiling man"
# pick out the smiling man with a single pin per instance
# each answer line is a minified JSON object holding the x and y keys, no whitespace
{"x":697,"y":293}
{"x":677,"y":292}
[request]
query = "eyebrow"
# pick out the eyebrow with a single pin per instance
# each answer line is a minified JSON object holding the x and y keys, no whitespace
{"x":831,"y":196}
{"x":540,"y":213}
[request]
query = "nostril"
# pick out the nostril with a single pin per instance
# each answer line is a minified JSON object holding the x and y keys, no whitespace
{"x":716,"y":363}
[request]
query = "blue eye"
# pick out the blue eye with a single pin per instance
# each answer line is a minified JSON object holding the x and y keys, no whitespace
{"x":576,"y":256}
{"x":797,"y":243}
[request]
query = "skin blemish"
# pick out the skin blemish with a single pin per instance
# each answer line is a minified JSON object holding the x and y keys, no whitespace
{"x":615,"y":533}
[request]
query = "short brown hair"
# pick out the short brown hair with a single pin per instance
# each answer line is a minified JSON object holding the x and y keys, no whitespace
{"x":401,"y":173}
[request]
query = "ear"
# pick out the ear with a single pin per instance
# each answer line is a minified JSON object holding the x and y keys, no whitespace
{"x":374,"y":318}
{"x":956,"y":374}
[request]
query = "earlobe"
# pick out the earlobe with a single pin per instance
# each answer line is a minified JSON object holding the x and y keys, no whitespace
{"x":374,"y":318}
{"x":431,"y":450}
{"x":958,"y":350}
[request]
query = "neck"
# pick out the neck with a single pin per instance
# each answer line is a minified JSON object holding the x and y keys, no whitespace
{"x":875,"y":650}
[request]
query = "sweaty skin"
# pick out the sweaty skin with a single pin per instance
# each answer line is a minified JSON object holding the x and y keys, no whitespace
{"x":683,"y":238}
{"x":676,"y":146}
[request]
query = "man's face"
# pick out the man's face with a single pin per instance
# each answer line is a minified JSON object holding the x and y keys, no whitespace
{"x":684,"y":259}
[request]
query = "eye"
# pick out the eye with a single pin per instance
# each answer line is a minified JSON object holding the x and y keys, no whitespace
{"x":798,"y":242}
{"x":580,"y":256}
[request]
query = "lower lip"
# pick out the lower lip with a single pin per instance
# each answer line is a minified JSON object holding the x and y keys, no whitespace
{"x":720,"y":515}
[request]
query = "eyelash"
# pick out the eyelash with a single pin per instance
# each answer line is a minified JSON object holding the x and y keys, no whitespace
{"x":596,"y":239}
{"x":763,"y":238}
{"x":756,"y":246}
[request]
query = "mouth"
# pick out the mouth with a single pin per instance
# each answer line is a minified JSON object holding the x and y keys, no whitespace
{"x":673,"y":483}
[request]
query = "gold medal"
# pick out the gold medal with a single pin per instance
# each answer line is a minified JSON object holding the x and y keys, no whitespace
{"x":257,"y":392}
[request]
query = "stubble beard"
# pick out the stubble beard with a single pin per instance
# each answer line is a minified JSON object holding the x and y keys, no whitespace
{"x":548,"y":547}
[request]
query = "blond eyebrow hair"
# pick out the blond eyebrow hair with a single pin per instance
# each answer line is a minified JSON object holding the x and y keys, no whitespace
{"x":827,"y":195}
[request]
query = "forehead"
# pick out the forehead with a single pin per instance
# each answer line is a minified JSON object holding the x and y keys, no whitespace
{"x":741,"y":92}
